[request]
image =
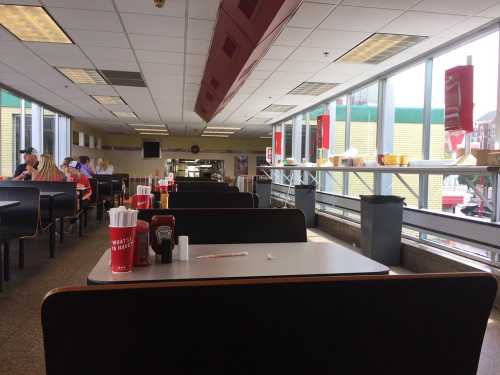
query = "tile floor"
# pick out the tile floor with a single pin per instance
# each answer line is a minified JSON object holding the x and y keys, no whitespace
{"x":21,"y":345}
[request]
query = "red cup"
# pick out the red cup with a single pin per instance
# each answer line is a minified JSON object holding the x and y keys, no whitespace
{"x":122,"y":248}
{"x":143,"y":201}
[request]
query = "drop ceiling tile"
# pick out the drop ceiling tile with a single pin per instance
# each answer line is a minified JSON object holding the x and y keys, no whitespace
{"x":293,"y":99}
{"x":6,"y":37}
{"x":64,"y":55}
{"x":193,"y":70}
{"x":200,"y":29}
{"x":359,"y":18}
{"x":316,"y":54}
{"x":279,"y":52}
{"x":78,"y":4}
{"x":268,"y":64}
{"x":340,"y":72}
{"x":335,"y":39}
{"x":191,"y":88}
{"x":492,"y":12}
{"x":98,"y":38}
{"x":292,"y":36}
{"x":99,"y":90}
{"x":301,"y":66}
{"x":110,"y":64}
{"x":160,"y":57}
{"x":196,"y":79}
{"x":420,"y":23}
{"x":387,"y":4}
{"x":157,"y":43}
{"x":161,"y":72}
{"x":21,"y":2}
{"x":196,"y":60}
{"x":199,"y":46}
{"x":461,"y":28}
{"x":466,"y":7}
{"x":153,"y":25}
{"x":309,"y":15}
{"x":260,"y":74}
{"x":87,"y":19}
{"x":204,"y":9}
{"x":98,"y":54}
{"x":174,"y":8}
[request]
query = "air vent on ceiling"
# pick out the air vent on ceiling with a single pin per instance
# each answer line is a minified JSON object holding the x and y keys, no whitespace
{"x":279,"y":108}
{"x":379,"y":47}
{"x":120,"y":78}
{"x":229,"y":47}
{"x":248,"y":7}
{"x":312,"y":88}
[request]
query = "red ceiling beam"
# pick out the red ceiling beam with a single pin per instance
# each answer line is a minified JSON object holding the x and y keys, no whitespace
{"x":244,"y":32}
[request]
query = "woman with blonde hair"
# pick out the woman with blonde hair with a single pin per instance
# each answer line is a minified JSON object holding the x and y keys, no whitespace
{"x":47,"y":170}
{"x":103,"y":167}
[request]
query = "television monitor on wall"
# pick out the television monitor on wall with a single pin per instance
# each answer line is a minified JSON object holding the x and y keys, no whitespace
{"x":151,"y":149}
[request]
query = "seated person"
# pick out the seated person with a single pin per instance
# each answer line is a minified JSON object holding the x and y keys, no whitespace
{"x":47,"y":170}
{"x":103,"y":167}
{"x":86,"y":168}
{"x":82,"y":181}
{"x":24,"y":170}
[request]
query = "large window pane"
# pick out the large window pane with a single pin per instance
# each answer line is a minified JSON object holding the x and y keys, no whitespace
{"x":455,"y":193}
{"x":406,"y":93}
{"x":338,"y":146}
{"x":363,"y":133}
{"x":10,"y":120}
{"x":288,"y":138}
{"x":313,"y":126}
{"x":49,"y":124}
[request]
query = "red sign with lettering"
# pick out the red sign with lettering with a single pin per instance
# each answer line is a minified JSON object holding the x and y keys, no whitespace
{"x":323,"y":132}
{"x":458,"y":98}
{"x":277,"y":143}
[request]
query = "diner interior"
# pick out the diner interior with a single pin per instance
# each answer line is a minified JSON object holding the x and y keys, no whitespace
{"x":249,"y":186}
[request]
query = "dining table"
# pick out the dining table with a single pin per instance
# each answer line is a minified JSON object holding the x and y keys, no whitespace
{"x":249,"y":260}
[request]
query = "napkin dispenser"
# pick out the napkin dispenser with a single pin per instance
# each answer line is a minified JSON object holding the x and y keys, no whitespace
{"x":162,"y":236}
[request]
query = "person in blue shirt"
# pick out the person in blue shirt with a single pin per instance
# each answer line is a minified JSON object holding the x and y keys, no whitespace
{"x":86,"y":168}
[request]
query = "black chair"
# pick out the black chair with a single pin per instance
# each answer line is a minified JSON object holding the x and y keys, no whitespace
{"x":210,"y":200}
{"x":235,"y":225}
{"x":201,"y":186}
{"x":96,"y":200}
{"x":391,"y":325}
{"x":65,"y":206}
{"x":17,"y":222}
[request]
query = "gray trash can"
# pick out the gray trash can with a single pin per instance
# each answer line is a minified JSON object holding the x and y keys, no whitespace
{"x":381,"y":224}
{"x":263,"y":190}
{"x":305,"y":200}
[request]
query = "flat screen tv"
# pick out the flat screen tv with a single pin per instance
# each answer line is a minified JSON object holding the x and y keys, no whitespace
{"x":151,"y":150}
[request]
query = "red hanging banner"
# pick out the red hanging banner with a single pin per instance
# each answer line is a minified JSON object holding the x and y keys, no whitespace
{"x":323,"y":132}
{"x":277,"y":143}
{"x":458,"y":98}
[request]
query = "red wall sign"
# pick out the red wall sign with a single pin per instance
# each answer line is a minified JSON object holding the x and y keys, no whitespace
{"x":277,"y":143}
{"x":458,"y":98}
{"x":323,"y":132}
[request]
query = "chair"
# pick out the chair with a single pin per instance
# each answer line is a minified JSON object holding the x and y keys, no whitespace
{"x":210,"y":200}
{"x":391,"y":325}
{"x":17,"y":222}
{"x":184,"y":186}
{"x":235,"y":225}
{"x":96,"y":200}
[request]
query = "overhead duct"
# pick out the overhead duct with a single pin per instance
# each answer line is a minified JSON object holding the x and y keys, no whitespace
{"x":243,"y":34}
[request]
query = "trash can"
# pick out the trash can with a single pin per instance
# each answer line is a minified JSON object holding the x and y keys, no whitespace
{"x":305,"y":200}
{"x":262,"y":188}
{"x":381,"y":224}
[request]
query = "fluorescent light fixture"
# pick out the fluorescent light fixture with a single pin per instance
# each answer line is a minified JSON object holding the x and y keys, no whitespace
{"x":151,"y":130}
{"x":31,"y":24}
{"x":83,"y":76}
{"x":121,"y":114}
{"x":379,"y":47}
{"x":217,"y":132}
{"x":147,"y":125}
{"x":108,"y":100}
{"x":215,"y":135}
{"x":147,"y":133}
{"x":279,"y":108}
{"x":220,"y":128}
{"x":312,"y":88}
{"x":265,"y":137}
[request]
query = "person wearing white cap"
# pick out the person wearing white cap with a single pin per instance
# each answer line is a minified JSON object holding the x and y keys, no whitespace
{"x":81,"y":180}
{"x":24,"y":170}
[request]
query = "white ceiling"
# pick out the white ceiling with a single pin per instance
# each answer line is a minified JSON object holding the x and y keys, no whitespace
{"x":169,"y":46}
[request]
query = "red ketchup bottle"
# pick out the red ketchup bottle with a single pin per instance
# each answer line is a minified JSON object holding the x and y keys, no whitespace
{"x":162,"y":234}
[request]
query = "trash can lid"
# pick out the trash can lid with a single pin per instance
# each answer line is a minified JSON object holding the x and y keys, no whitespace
{"x":375,"y":199}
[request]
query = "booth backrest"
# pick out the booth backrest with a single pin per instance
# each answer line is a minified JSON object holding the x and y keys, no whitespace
{"x":191,"y":179}
{"x":391,"y":325}
{"x":201,"y":186}
{"x":21,"y":220}
{"x":210,"y":200}
{"x":235,"y":225}
{"x":64,"y":205}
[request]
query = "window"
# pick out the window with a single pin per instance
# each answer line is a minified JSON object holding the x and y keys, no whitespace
{"x":337,"y":127}
{"x":10,"y":121}
{"x":49,"y":121}
{"x":313,"y":126}
{"x":288,"y":138}
{"x":405,"y":97}
{"x":363,"y":133}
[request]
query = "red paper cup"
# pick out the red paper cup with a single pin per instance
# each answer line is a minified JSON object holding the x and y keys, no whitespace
{"x":122,"y":248}
{"x":143,"y":201}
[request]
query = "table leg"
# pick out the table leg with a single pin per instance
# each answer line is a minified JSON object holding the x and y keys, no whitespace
{"x":21,"y":253}
{"x":6,"y":261}
{"x":52,"y":229}
{"x":61,"y":229}
{"x":1,"y":267}
{"x":80,"y":212}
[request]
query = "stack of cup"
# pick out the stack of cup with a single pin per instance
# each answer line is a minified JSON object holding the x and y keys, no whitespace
{"x":122,"y":231}
{"x":143,"y":197}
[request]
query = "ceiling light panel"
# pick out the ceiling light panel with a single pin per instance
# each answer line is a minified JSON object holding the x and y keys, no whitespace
{"x":312,"y":88}
{"x":121,"y":114}
{"x":380,"y":47}
{"x":109,"y":100}
{"x":146,"y":133}
{"x":220,"y":128}
{"x":215,"y":135}
{"x":279,"y":108}
{"x":217,"y":132}
{"x":83,"y":76}
{"x":31,"y":24}
{"x":152,"y":130}
{"x":147,"y":125}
